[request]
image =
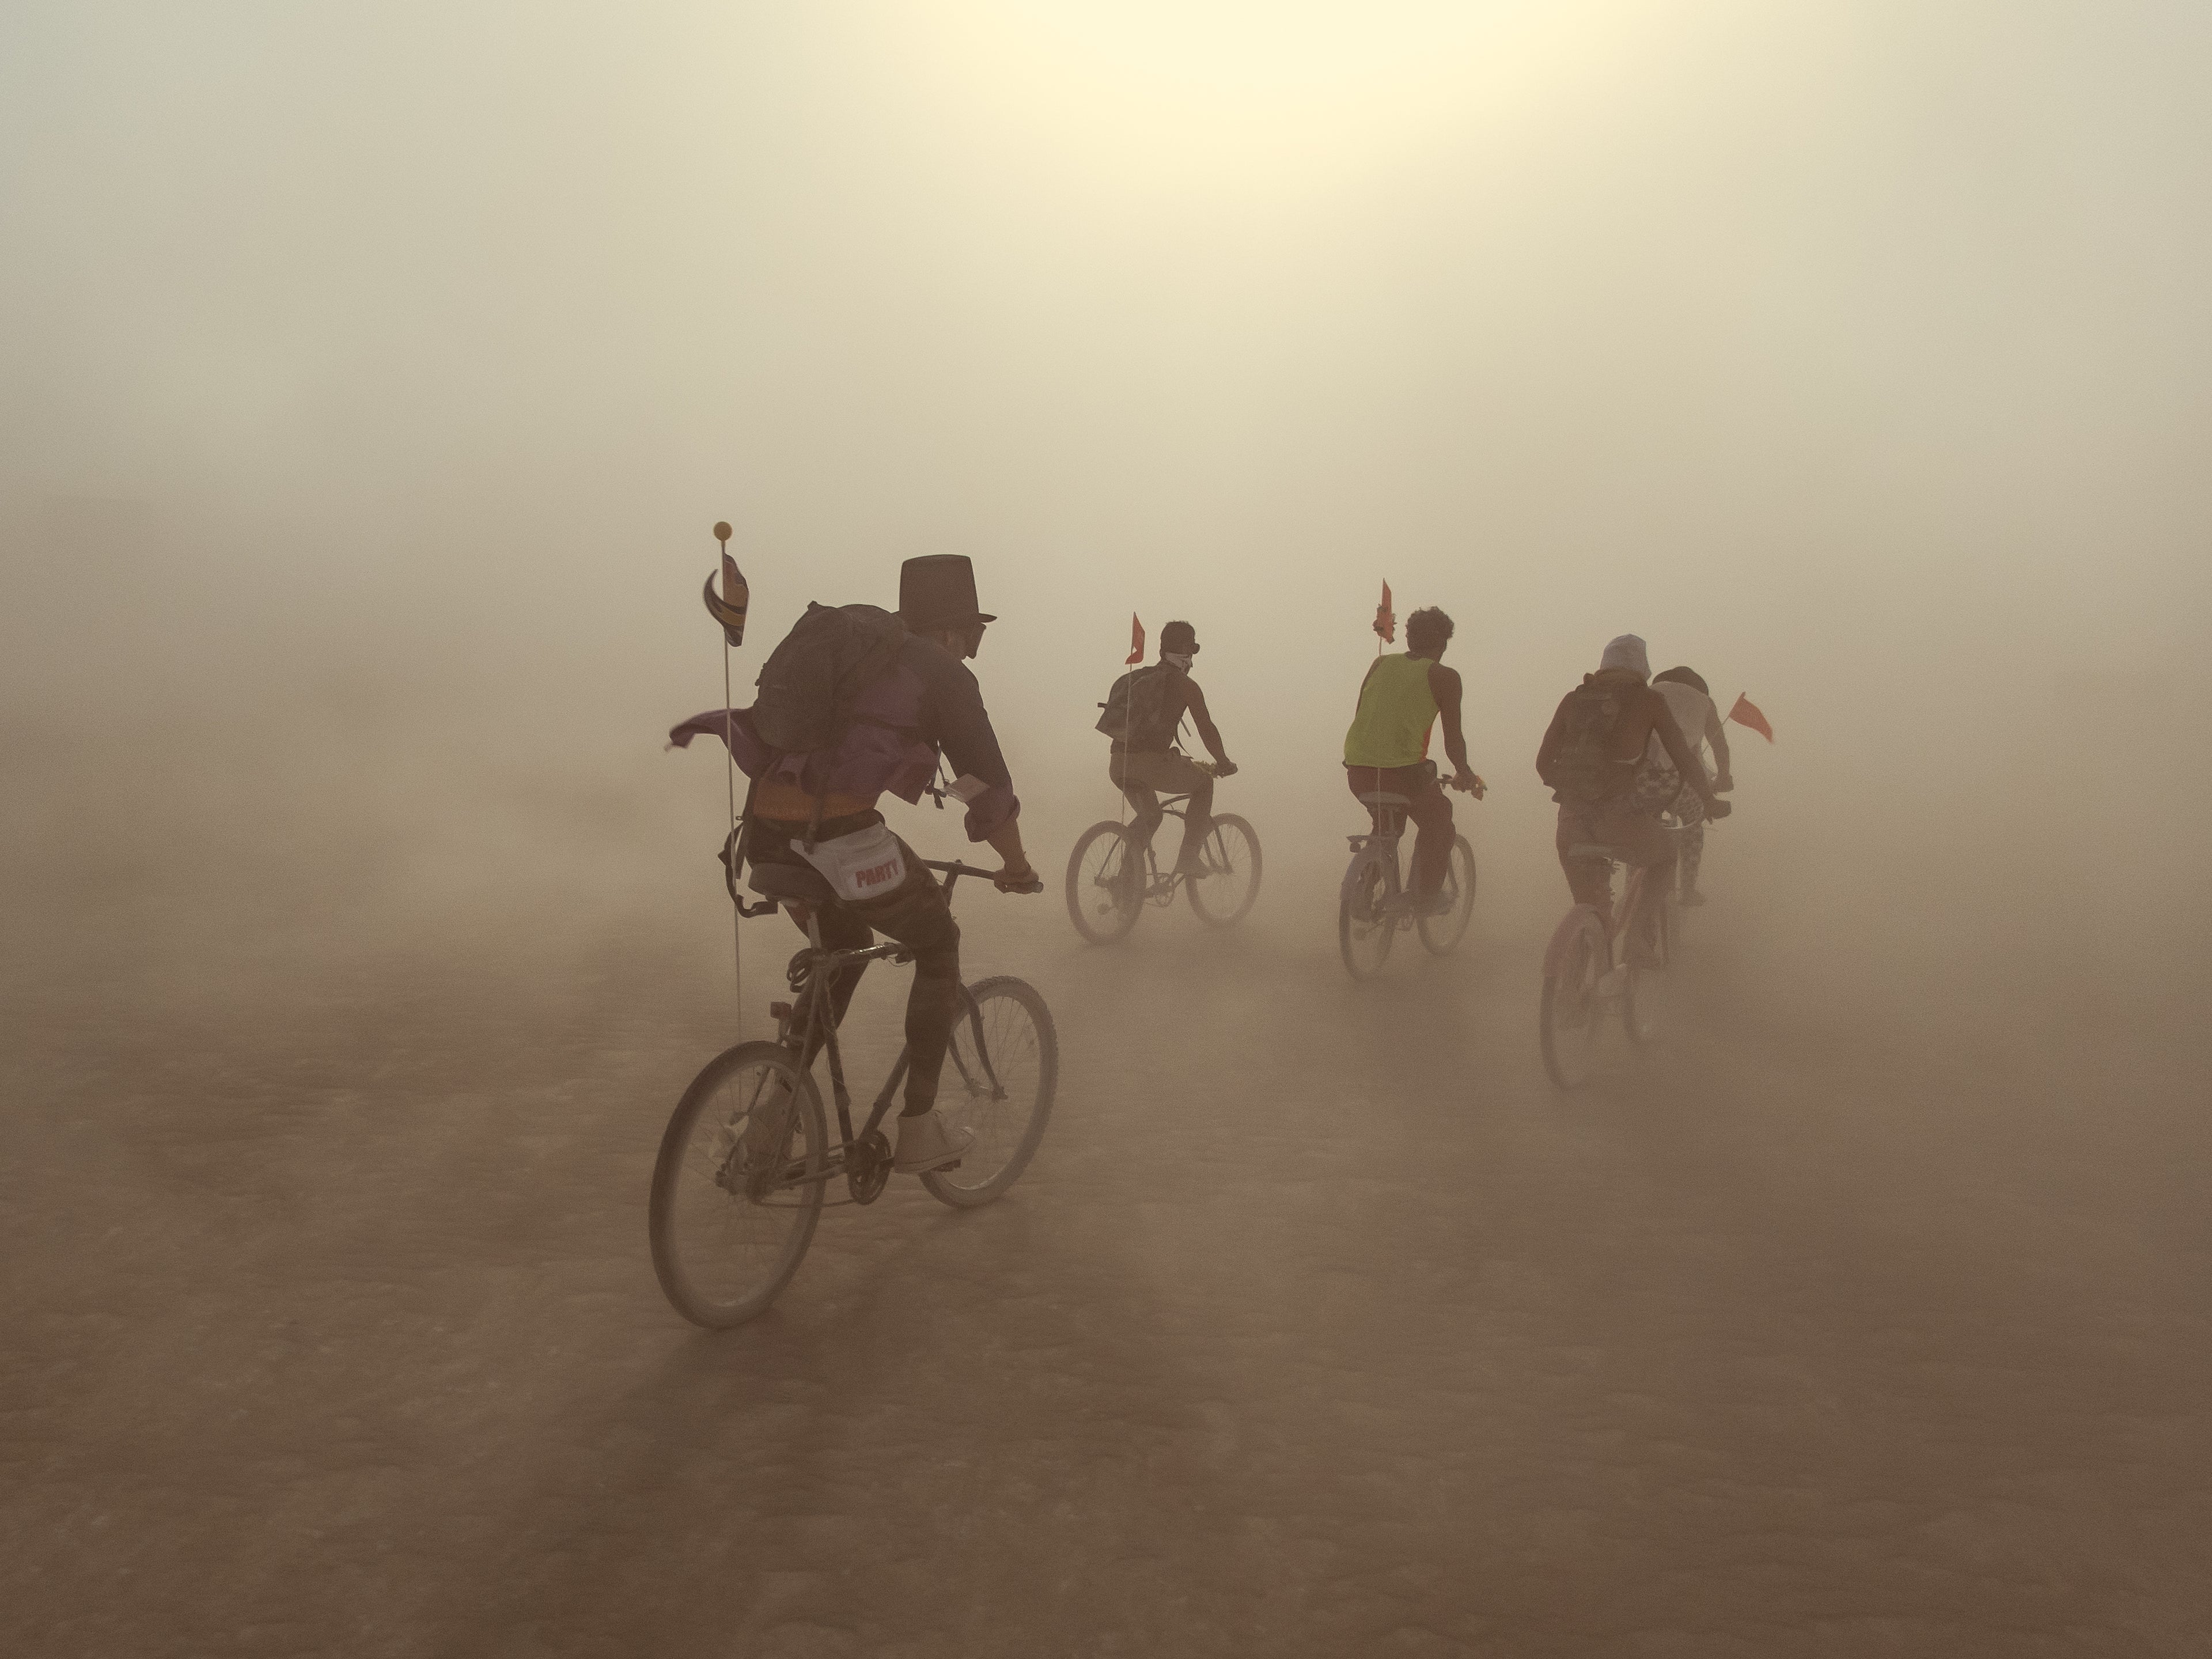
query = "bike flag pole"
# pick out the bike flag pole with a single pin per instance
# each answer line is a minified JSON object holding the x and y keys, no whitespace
{"x":731,"y":613}
{"x":1129,"y":715}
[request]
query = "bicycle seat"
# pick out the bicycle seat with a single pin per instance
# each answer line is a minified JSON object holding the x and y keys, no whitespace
{"x":799,"y":884}
{"x":1387,"y":800}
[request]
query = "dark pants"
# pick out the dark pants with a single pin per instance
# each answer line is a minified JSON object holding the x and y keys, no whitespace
{"x":1430,"y":812}
{"x":1638,"y":835}
{"x":916,"y":915}
{"x":1140,"y":774}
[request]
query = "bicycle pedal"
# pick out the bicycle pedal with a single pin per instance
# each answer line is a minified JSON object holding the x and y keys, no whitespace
{"x":779,"y":1011}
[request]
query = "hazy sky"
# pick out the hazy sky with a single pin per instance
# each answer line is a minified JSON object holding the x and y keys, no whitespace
{"x":1809,"y":341}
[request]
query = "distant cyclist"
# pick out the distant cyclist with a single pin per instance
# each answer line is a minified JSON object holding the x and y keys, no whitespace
{"x":1691,"y":702}
{"x":1592,"y":757}
{"x":1386,"y":750}
{"x":1144,"y":712}
{"x":817,"y":805}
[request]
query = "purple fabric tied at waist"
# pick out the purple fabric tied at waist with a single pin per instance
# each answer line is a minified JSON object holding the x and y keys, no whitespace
{"x":885,"y":750}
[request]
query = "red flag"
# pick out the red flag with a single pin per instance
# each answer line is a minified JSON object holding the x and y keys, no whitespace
{"x":1136,"y":642}
{"x":1386,"y":623}
{"x":1746,"y":713}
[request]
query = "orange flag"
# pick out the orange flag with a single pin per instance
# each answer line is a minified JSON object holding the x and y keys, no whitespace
{"x":1136,"y":642}
{"x":1386,"y":621}
{"x":1746,"y":713}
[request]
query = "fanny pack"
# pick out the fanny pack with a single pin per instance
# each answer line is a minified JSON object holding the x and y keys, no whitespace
{"x":866,"y":864}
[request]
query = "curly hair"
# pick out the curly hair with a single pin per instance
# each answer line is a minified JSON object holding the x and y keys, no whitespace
{"x":1428,"y":626}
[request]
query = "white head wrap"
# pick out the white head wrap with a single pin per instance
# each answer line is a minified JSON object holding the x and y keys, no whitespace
{"x":1627,"y":652}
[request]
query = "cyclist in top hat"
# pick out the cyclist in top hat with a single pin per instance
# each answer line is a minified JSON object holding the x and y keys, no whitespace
{"x":1146,"y":761}
{"x":811,"y":807}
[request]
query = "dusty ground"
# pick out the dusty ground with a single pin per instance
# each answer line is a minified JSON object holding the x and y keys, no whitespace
{"x":1321,"y":1325}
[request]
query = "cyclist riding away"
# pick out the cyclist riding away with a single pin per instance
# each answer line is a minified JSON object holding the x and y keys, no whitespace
{"x":1386,"y":750}
{"x":1592,"y":757}
{"x":1693,"y":706}
{"x":887,"y":694}
{"x":1144,"y":712}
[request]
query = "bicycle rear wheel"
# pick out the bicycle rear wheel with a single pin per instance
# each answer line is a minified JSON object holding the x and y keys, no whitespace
{"x":1569,"y":1016}
{"x":1007,"y":1102}
{"x":1226,"y":892}
{"x":1443,"y":933}
{"x":738,"y":1186}
{"x":1366,"y":924}
{"x":1104,"y":896}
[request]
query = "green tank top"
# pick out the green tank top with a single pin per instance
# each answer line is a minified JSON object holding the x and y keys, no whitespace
{"x":1396,"y":708}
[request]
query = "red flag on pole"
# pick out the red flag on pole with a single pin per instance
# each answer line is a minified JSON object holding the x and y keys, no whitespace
{"x":1136,"y":642}
{"x":1386,"y":621}
{"x":1746,"y":713}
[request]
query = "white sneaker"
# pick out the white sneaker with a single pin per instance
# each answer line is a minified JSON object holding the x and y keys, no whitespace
{"x":924,"y":1143}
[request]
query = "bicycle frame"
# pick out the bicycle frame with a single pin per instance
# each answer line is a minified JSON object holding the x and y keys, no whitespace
{"x":1617,"y":923}
{"x":1389,"y":831}
{"x":807,"y":1028}
{"x":1171,"y":806}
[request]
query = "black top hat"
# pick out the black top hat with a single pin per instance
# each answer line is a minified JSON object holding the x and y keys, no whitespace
{"x":939,"y":589}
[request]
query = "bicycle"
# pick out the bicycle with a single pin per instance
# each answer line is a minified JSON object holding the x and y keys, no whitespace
{"x":1106,"y":893}
{"x":746,"y":1161}
{"x":1594,"y":962}
{"x":1372,"y":905}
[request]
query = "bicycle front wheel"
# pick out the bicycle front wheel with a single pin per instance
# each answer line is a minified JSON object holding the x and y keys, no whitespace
{"x":1104,"y":894}
{"x":1647,"y":994}
{"x":1231,"y":882}
{"x":1366,"y":922}
{"x":1442,"y":933}
{"x":738,"y":1187}
{"x":1001,"y":1069}
{"x":1569,"y":1015}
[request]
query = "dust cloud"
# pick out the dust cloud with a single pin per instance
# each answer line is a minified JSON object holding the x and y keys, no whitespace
{"x":371,"y":382}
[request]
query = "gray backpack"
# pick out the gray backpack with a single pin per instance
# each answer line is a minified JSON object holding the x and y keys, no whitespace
{"x":1584,"y":769}
{"x":1142,"y":710}
{"x":811,"y":683}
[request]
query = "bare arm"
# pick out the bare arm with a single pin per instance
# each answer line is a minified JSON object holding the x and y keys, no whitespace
{"x":1203,"y":720}
{"x":1006,"y":841}
{"x":1718,"y":738}
{"x":1678,"y":748}
{"x":1445,"y":687}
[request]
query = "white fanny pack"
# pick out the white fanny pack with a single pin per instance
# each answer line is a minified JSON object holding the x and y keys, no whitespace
{"x":865,"y":864}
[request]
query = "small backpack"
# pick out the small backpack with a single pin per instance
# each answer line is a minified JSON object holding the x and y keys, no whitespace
{"x":811,"y":683}
{"x":1584,"y":769}
{"x":1142,"y":710}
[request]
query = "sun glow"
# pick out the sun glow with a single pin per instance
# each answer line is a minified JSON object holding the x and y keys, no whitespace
{"x":1291,"y":95}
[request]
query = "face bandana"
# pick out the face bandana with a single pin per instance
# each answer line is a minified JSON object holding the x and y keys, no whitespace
{"x":1180,"y":658}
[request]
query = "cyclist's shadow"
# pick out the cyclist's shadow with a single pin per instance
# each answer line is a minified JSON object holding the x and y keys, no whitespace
{"x":754,"y":1470}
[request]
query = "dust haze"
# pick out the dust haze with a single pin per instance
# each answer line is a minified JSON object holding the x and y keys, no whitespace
{"x":371,"y":381}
